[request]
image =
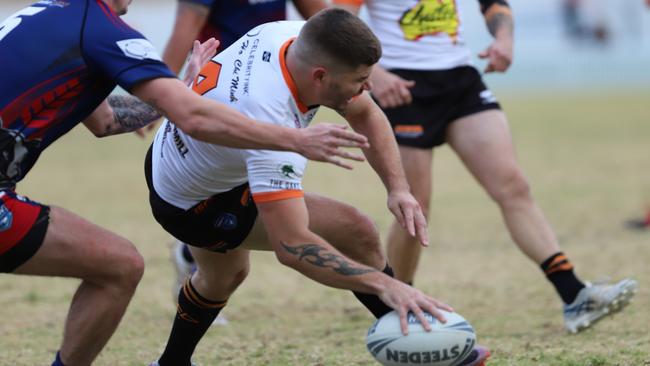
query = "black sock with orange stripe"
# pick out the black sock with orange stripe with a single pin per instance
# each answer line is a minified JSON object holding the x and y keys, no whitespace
{"x":372,"y":302}
{"x":194,"y":315}
{"x":559,"y":271}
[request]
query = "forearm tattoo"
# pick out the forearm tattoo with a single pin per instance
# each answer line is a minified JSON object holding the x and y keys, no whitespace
{"x":129,"y":114}
{"x":498,"y":21}
{"x":320,"y":257}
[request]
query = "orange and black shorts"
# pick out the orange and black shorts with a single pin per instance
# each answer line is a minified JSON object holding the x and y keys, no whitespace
{"x":219,"y":223}
{"x":23,"y":224}
{"x":439,"y":98}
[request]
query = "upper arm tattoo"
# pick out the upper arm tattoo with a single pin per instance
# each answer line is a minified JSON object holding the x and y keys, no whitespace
{"x":497,"y":14}
{"x":320,"y":257}
{"x":129,"y":114}
{"x":499,"y":20}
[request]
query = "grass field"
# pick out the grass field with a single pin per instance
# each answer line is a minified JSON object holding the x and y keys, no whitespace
{"x":588,"y":159}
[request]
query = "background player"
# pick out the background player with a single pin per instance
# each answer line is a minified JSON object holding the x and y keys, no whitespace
{"x":432,"y":95}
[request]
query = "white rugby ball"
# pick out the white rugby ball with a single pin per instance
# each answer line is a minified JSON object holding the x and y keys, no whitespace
{"x":447,"y":344}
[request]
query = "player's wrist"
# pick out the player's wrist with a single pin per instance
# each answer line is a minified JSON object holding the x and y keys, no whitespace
{"x":294,"y":141}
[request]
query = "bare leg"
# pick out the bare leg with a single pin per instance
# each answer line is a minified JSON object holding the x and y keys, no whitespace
{"x":346,"y":228}
{"x":110,"y":268}
{"x":218,"y":275}
{"x":484,"y":144}
{"x":403,"y":249}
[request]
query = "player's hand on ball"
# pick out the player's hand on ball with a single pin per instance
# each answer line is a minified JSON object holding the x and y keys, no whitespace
{"x":409,"y":214}
{"x":404,"y":299}
{"x":201,"y":54}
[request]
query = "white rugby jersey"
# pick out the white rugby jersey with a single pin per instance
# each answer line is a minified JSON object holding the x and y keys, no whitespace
{"x":417,"y":34}
{"x":251,"y":77}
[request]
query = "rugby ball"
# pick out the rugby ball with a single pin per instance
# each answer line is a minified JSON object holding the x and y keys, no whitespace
{"x":447,"y":344}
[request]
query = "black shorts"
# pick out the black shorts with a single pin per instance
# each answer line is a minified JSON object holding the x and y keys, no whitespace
{"x":219,"y":223}
{"x":439,"y":98}
{"x":23,"y":224}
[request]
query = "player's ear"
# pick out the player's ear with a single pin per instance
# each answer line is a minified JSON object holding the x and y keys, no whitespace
{"x":318,"y":74}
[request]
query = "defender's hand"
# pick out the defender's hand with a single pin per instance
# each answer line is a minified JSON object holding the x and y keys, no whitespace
{"x":409,"y":215}
{"x":404,"y":299}
{"x":499,"y":56}
{"x":389,"y":89}
{"x":201,"y":54}
{"x":323,"y":142}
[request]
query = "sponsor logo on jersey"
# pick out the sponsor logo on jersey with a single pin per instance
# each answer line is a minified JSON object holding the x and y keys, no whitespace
{"x":180,"y":144}
{"x":255,"y":2}
{"x":243,"y":47}
{"x":266,"y":56}
{"x":487,"y":97}
{"x":139,"y":49}
{"x":408,"y":131}
{"x":57,"y":3}
{"x":226,"y":221}
{"x":6,"y":218}
{"x":287,"y":170}
{"x":430,"y":17}
{"x":234,"y":81}
{"x":283,"y":184}
{"x":249,"y":65}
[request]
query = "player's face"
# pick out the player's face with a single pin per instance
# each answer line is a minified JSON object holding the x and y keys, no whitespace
{"x":119,"y":6}
{"x":345,"y":86}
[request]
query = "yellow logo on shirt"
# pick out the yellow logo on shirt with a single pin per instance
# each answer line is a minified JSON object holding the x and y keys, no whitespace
{"x":430,"y":17}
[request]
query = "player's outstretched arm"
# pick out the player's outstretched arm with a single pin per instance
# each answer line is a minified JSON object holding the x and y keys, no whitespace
{"x":498,"y":18}
{"x":214,"y":122}
{"x":126,"y":113}
{"x":286,"y":224}
{"x":365,"y":117}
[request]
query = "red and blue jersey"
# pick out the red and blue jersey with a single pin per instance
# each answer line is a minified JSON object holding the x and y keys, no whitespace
{"x":231,"y":19}
{"x":60,"y":59}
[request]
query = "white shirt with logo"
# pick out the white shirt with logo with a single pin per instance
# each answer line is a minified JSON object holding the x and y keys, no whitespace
{"x":417,"y":34}
{"x":251,"y":77}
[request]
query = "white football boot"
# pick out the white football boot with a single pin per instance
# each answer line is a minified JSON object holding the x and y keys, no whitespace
{"x":597,"y":301}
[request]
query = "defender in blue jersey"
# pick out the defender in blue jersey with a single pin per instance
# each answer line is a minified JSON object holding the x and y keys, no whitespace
{"x":61,"y":59}
{"x":225,"y":20}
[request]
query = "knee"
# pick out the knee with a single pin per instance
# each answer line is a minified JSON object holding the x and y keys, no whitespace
{"x":366,"y":243}
{"x":125,"y":268}
{"x":239,"y":278}
{"x":511,"y":190}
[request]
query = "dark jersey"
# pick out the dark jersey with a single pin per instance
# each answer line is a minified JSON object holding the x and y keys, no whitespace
{"x":230,"y":19}
{"x":60,"y":60}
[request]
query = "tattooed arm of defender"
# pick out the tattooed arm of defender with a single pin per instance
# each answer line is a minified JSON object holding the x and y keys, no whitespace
{"x":120,"y":114}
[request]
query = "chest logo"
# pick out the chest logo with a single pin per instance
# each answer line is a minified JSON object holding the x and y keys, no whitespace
{"x":430,"y":17}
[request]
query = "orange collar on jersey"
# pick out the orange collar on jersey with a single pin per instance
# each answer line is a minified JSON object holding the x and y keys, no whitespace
{"x":287,"y":77}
